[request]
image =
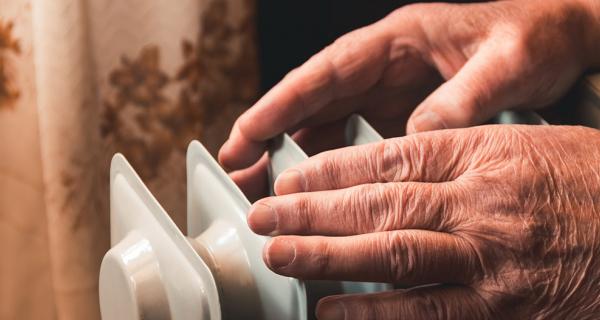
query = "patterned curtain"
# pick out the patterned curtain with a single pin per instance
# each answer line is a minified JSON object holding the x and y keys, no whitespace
{"x":80,"y":80}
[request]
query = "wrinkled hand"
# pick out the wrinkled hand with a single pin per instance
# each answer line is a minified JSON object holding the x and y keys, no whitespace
{"x":477,"y":58}
{"x":505,"y":218}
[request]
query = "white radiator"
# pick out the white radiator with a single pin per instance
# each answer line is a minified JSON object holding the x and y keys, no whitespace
{"x":153,"y":271}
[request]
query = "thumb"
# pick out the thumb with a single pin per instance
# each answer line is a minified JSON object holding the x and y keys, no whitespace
{"x":472,"y":96}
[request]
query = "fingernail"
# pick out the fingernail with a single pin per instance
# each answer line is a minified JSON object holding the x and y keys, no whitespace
{"x":426,"y":121}
{"x":262,"y":219}
{"x":290,"y":181}
{"x":332,"y":310}
{"x":280,"y":254}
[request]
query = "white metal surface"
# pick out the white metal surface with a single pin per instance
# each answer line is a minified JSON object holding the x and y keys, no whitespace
{"x":217,"y":217}
{"x":151,"y":272}
{"x":359,"y":131}
{"x":154,"y":272}
{"x":285,"y":153}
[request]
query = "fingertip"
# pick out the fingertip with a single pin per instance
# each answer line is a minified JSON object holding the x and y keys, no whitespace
{"x":279,"y":253}
{"x":330,"y":308}
{"x":290,"y":181}
{"x":238,"y":153}
{"x":223,"y":155}
{"x":425,"y":121}
{"x":261,"y":122}
{"x":262,"y":219}
{"x":245,"y":124}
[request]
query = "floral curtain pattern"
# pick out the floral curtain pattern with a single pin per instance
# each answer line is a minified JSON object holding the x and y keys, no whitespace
{"x":81,"y":80}
{"x":8,"y":93}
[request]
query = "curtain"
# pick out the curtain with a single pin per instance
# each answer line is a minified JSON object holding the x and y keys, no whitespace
{"x":81,"y":80}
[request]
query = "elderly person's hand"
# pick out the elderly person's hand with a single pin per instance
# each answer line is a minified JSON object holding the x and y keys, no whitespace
{"x":505,"y":218}
{"x":492,"y":56}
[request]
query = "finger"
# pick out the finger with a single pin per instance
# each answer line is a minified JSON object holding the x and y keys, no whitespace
{"x":421,"y":303}
{"x":428,"y":157}
{"x":362,"y":209}
{"x":472,"y":96}
{"x":341,"y":70}
{"x":238,"y":151}
{"x":253,"y":181}
{"x":344,"y":69}
{"x":386,"y":109}
{"x":405,"y":257}
{"x":378,"y":103}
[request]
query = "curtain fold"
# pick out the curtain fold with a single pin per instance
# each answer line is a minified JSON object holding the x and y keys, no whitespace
{"x":81,"y":80}
{"x":26,"y":289}
{"x":72,"y":156}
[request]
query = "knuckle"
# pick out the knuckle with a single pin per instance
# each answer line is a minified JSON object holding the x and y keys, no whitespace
{"x":447,"y":210}
{"x":345,"y":49}
{"x":354,"y":203}
{"x":519,"y":44}
{"x":346,"y":207}
{"x":331,"y":168}
{"x":431,"y":307}
{"x":326,"y":165}
{"x":402,"y":159}
{"x":386,"y":202}
{"x":321,"y":258}
{"x":344,"y":42}
{"x":369,"y":205}
{"x":387,"y":207}
{"x":411,"y":10}
{"x":388,"y":155}
{"x":349,"y":45}
{"x":515,"y":47}
{"x":292,"y":73}
{"x":305,"y":212}
{"x":376,"y":310}
{"x":422,"y":207}
{"x":352,"y":68}
{"x":400,"y":256}
{"x":409,"y":202}
{"x":424,"y":14}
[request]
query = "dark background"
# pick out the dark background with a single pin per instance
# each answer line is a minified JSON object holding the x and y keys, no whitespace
{"x":291,"y":31}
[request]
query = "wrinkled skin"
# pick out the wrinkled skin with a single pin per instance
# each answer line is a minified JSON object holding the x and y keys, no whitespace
{"x":512,"y":229}
{"x":503,"y":220}
{"x":457,"y":64}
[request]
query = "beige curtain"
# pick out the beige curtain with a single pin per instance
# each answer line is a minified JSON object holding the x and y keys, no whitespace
{"x":80,"y":80}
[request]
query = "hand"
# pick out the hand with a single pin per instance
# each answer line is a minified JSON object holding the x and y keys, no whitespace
{"x":492,"y":56}
{"x":504,"y":218}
